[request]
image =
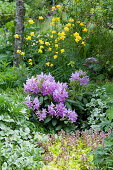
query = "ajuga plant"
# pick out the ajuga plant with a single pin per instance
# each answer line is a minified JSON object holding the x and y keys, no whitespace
{"x":46,"y":99}
{"x":71,"y":151}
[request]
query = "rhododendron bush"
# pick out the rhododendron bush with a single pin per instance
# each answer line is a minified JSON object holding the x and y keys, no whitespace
{"x":46,"y":99}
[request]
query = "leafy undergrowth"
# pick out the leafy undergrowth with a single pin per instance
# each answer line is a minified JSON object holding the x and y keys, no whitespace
{"x":72,"y":151}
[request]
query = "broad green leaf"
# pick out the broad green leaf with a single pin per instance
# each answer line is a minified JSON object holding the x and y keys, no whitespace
{"x":54,"y":122}
{"x":47,"y":119}
{"x":59,"y":127}
{"x":109,"y":113}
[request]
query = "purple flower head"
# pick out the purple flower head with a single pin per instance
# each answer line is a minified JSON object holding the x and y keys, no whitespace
{"x":36,"y":104}
{"x":28,"y":102}
{"x":60,"y":94}
{"x":81,"y":76}
{"x":61,"y":110}
{"x":51,"y":110}
{"x":45,"y":77}
{"x":31,"y":86}
{"x":48,"y":87}
{"x":41,"y":114}
{"x":72,"y":115}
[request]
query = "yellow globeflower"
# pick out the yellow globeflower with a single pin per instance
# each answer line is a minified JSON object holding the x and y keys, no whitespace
{"x":62,"y":50}
{"x":51,"y":65}
{"x":57,"y":19}
{"x":18,"y":51}
{"x":31,"y":21}
{"x":41,"y":18}
{"x":85,"y":29}
{"x":56,"y":45}
{"x":53,"y":19}
{"x":47,"y":63}
{"x":56,"y":52}
{"x":30,"y":60}
{"x":16,"y":36}
{"x":53,"y":32}
{"x":50,"y":49}
{"x":76,"y":34}
{"x":41,"y":47}
{"x":68,"y":25}
{"x":77,"y":40}
{"x":58,"y":6}
{"x":71,"y":20}
{"x":79,"y":37}
{"x":41,"y":42}
{"x":55,"y":56}
{"x":53,"y":8}
{"x":83,"y":43}
{"x":62,"y":37}
{"x":39,"y":51}
{"x":51,"y":36}
{"x":52,"y":23}
{"x":22,"y":53}
{"x":32,"y":33}
{"x":78,"y":22}
{"x":66,"y":29}
{"x":81,"y":24}
{"x":47,"y":43}
{"x":31,"y":63}
{"x":56,"y":41}
{"x":28,"y":38}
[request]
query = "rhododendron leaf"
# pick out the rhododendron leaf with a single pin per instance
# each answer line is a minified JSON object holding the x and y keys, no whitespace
{"x":46,"y":97}
{"x":59,"y":127}
{"x":41,"y":99}
{"x":54,"y":122}
{"x":68,"y":105}
{"x":47,"y":119}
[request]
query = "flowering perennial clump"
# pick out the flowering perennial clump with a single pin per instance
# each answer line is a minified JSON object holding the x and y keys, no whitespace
{"x":81,"y":76}
{"x":45,"y":85}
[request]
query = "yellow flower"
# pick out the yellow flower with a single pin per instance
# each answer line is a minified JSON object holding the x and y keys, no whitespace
{"x":31,"y":21}
{"x":16,"y":36}
{"x":76,"y":34}
{"x":77,"y":40}
{"x":56,"y":45}
{"x":79,"y":37}
{"x":78,"y":22}
{"x":53,"y":8}
{"x":22,"y":53}
{"x":47,"y":43}
{"x":62,"y":50}
{"x":56,"y":41}
{"x":32,"y":34}
{"x":41,"y":18}
{"x":51,"y":36}
{"x":85,"y":29}
{"x":83,"y":43}
{"x":28,"y":38}
{"x":39,"y":51}
{"x":71,"y":20}
{"x":57,"y":19}
{"x":81,"y":24}
{"x":18,"y":51}
{"x":50,"y":49}
{"x":68,"y":25}
{"x":62,"y":37}
{"x":31,"y":63}
{"x":58,"y":6}
{"x":47,"y":63}
{"x":66,"y":29}
{"x":30,"y":60}
{"x":52,"y":23}
{"x":51,"y":65}
{"x":53,"y":32}
{"x":55,"y":56}
{"x":41,"y":42}
{"x":53,"y":19}
{"x":56,"y":52}
{"x":41,"y":47}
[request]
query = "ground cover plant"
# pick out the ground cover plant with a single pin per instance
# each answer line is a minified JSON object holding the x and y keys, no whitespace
{"x":56,"y":107}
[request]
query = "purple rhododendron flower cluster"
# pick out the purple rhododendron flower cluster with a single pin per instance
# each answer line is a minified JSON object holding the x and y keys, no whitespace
{"x":81,"y":76}
{"x":46,"y":85}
